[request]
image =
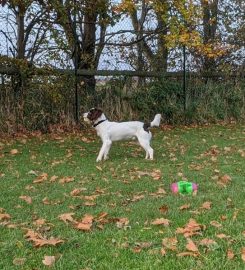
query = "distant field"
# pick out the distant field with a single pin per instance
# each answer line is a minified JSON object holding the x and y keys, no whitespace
{"x":56,"y":201}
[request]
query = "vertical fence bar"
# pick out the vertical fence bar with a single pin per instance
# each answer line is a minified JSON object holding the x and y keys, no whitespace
{"x":184,"y":78}
{"x":76,"y":65}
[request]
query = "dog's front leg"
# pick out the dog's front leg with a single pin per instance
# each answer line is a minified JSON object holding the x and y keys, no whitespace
{"x":104,"y":149}
{"x":101,"y":153}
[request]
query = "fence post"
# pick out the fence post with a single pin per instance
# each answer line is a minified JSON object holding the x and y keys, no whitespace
{"x":184,"y":78}
{"x":77,"y":101}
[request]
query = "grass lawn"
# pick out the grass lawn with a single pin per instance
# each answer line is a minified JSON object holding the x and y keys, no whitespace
{"x":112,"y":207}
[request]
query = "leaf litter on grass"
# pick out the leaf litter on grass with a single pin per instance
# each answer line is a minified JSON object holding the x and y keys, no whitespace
{"x":193,"y":231}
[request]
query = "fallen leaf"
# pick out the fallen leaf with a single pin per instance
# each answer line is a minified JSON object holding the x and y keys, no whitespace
{"x":122,"y":223}
{"x":31,"y":172}
{"x":4,"y":216}
{"x":41,"y":178}
{"x":215,"y":224}
{"x":67,"y":217}
{"x":39,"y":222}
{"x":14,"y":151}
{"x":85,"y":224}
{"x":89,"y":203}
{"x":170,"y":243}
{"x":230,"y":254}
{"x":187,"y":253}
{"x":184,"y":206}
{"x":206,"y":205}
{"x":191,"y":228}
{"x":27,"y":199}
{"x":163,"y":209}
{"x":191,"y":246}
{"x":39,"y":241}
{"x":48,"y":260}
{"x":209,"y":243}
{"x":222,"y":236}
{"x":224,"y":180}
{"x":161,"y":221}
{"x":234,"y":217}
{"x":161,"y":191}
{"x":163,"y":252}
{"x":53,"y":178}
{"x":19,"y":261}
{"x":75,"y":192}
{"x":66,"y":179}
{"x":99,"y":168}
{"x":137,"y":198}
{"x":243,"y":253}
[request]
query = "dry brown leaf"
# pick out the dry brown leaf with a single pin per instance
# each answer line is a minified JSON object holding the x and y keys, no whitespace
{"x":14,"y":151}
{"x":99,"y":168}
{"x":156,"y":174}
{"x":67,"y":217}
{"x":184,"y":206}
{"x":4,"y":216}
{"x":138,"y":198}
{"x":89,"y":203}
{"x":39,"y":241}
{"x":161,"y":221}
{"x":41,"y":178}
{"x":191,"y":246}
{"x":66,"y":179}
{"x":48,"y":260}
{"x":39,"y":222}
{"x":222,"y":236}
{"x":163,"y":209}
{"x":19,"y":261}
{"x":27,"y":199}
{"x":243,"y":253}
{"x":234,"y":217}
{"x":188,"y":253}
{"x":191,"y":228}
{"x":161,"y":191}
{"x":75,"y":192}
{"x":224,"y":180}
{"x":206,"y":205}
{"x":136,"y":249}
{"x":207,"y":242}
{"x":163,"y":252}
{"x":53,"y":178}
{"x":46,"y":201}
{"x":230,"y":254}
{"x":215,"y":224}
{"x":90,"y":198}
{"x":170,"y":243}
{"x":85,"y":224}
{"x":122,"y":223}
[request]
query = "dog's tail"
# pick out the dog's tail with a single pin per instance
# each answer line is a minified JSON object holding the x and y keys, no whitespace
{"x":156,"y":120}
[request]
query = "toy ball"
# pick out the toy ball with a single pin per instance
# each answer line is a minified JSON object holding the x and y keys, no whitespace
{"x":184,"y":187}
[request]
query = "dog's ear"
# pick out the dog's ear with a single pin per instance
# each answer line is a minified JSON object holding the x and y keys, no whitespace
{"x":94,"y":114}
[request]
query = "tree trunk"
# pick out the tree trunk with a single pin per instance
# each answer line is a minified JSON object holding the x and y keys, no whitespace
{"x":210,"y":20}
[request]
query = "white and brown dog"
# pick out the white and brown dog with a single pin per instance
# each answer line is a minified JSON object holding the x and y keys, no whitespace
{"x":115,"y":131}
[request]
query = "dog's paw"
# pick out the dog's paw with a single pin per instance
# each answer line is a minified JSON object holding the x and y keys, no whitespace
{"x":98,"y":159}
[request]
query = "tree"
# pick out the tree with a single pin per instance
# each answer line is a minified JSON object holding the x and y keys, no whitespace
{"x":85,"y":36}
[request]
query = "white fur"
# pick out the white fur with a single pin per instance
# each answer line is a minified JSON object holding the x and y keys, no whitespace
{"x":115,"y":131}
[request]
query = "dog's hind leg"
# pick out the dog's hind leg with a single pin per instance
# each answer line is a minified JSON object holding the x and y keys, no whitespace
{"x":146,"y":145}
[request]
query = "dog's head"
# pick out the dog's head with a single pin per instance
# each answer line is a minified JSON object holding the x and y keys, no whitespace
{"x":92,"y":115}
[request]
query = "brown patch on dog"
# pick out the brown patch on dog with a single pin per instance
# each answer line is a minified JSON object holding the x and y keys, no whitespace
{"x":94,"y":114}
{"x":146,"y":127}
